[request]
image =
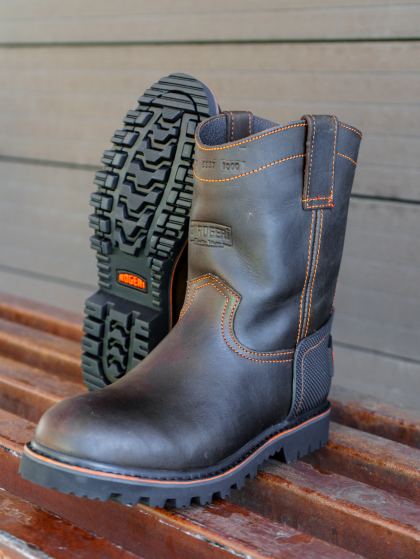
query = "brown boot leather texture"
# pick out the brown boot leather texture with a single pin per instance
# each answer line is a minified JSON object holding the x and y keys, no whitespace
{"x":246,"y":371}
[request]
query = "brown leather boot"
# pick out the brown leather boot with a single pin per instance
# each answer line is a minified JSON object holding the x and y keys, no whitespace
{"x":246,"y":371}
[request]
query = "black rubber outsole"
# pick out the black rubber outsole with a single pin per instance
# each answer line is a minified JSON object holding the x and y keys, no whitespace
{"x":142,"y":209}
{"x":289,"y":440}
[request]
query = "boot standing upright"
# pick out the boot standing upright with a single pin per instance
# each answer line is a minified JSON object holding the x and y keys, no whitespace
{"x":246,"y":371}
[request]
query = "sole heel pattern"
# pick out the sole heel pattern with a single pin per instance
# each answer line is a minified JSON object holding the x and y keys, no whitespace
{"x":140,"y":221}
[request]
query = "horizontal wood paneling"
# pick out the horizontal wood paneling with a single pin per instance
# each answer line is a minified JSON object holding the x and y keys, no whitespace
{"x":63,"y":104}
{"x":393,"y":380}
{"x":49,"y":292}
{"x":378,"y":295}
{"x":44,"y":222}
{"x":204,"y":21}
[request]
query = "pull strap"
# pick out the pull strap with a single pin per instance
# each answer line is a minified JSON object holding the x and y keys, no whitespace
{"x":239,"y":124}
{"x":318,"y":186}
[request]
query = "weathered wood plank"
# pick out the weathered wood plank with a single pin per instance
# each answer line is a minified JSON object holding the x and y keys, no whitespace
{"x":203,"y":21}
{"x":194,"y":532}
{"x":45,"y":290}
{"x":44,"y":351}
{"x":391,"y":378}
{"x":373,"y":460}
{"x":27,"y":531}
{"x":45,"y":318}
{"x":44,"y":215}
{"x":353,"y":515}
{"x":367,"y":413}
{"x":377,"y":300}
{"x":64,"y":103}
{"x":29,"y":392}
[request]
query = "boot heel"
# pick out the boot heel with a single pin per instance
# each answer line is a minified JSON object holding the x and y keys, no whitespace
{"x":118,"y":335}
{"x":304,"y":440}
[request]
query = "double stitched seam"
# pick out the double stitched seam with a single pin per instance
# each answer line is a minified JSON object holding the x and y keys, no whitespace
{"x":249,"y":122}
{"x":333,"y":161}
{"x":347,"y":157}
{"x":306,"y":278}
{"x":256,"y":137}
{"x":265,"y":121}
{"x":310,"y":163}
{"x":313,"y":279}
{"x":301,"y":370}
{"x":249,"y":172}
{"x":230,"y":324}
{"x":352,"y":129}
{"x":233,"y":125}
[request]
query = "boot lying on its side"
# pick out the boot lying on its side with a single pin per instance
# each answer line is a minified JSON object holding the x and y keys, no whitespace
{"x":246,"y":371}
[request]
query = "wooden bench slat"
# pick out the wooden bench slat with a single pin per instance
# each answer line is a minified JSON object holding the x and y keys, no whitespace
{"x":367,"y":413}
{"x":219,"y":530}
{"x":50,"y":353}
{"x":370,"y":459}
{"x":29,"y":392}
{"x":15,"y":432}
{"x":45,"y":318}
{"x":30,"y":532}
{"x":345,"y":512}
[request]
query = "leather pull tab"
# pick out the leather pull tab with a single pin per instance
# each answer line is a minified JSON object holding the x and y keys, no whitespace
{"x":239,"y":124}
{"x":318,"y":186}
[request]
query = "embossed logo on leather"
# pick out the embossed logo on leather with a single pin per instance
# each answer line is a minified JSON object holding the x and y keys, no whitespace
{"x":131,"y":280}
{"x":232,"y":166}
{"x":210,"y":234}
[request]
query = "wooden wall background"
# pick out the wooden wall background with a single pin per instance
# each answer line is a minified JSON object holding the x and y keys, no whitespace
{"x":70,"y":70}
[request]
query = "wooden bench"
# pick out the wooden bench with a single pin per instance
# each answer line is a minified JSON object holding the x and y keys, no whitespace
{"x":358,"y":496}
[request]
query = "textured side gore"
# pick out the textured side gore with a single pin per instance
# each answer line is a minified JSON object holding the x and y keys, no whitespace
{"x":142,"y":208}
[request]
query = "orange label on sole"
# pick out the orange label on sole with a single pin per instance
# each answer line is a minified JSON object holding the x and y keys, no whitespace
{"x":131,"y":280}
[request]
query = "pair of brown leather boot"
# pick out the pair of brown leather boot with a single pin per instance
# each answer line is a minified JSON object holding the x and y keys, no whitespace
{"x":245,"y":372}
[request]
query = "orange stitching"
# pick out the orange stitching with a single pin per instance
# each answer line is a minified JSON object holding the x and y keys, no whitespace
{"x":265,"y":121}
{"x":312,"y":151}
{"x":316,"y":267}
{"x":233,"y":124}
{"x":348,"y":128}
{"x":347,"y":157}
{"x":223,"y":318}
{"x":322,"y":205}
{"x":301,"y":369}
{"x":256,"y":138}
{"x":231,"y":315}
{"x":249,"y":121}
{"x":307,"y":270}
{"x":236,"y":343}
{"x":317,"y":198}
{"x":333,"y":162}
{"x":249,"y":172}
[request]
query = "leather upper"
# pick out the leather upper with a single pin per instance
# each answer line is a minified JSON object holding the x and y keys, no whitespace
{"x":262,"y":272}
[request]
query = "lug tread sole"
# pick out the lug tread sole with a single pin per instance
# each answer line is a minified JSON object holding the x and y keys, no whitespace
{"x":140,"y":221}
{"x":292,"y":444}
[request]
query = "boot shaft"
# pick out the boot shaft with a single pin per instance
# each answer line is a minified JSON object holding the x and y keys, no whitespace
{"x":269,"y":218}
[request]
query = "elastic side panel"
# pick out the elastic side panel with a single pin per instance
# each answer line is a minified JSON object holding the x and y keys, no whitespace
{"x":312,"y":370}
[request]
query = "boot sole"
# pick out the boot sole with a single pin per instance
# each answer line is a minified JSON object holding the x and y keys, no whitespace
{"x":290,"y":440}
{"x":142,"y":209}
